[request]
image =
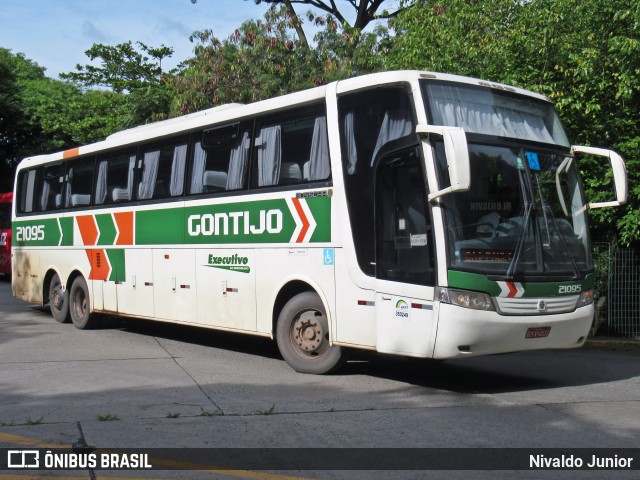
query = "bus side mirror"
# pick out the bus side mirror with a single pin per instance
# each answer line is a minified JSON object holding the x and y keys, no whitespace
{"x":457,"y":153}
{"x":619,"y":174}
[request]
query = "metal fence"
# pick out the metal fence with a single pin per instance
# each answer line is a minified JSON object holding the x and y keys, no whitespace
{"x":617,"y":291}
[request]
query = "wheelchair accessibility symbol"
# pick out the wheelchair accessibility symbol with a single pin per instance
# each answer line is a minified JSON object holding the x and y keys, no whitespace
{"x":328,"y":256}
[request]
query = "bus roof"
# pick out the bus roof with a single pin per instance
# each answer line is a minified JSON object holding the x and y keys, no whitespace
{"x":230,"y":112}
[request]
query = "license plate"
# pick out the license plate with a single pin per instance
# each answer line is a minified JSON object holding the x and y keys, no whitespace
{"x":538,"y":332}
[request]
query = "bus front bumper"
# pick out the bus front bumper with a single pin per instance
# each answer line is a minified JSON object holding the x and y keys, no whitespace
{"x":464,"y":332}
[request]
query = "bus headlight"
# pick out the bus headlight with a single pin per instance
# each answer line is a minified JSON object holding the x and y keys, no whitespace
{"x":464,"y":298}
{"x":586,"y":298}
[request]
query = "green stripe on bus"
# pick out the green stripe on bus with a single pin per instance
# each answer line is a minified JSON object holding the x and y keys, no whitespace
{"x":480,"y":283}
{"x":266,"y":221}
{"x":116,"y":259}
{"x":320,"y":208}
{"x":37,"y":233}
{"x":107,"y":229}
{"x":160,"y":227}
{"x":66,"y":225}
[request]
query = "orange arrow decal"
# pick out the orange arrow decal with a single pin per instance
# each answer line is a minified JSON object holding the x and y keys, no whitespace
{"x":100,"y":267}
{"x":303,"y":218}
{"x":124,"y":224}
{"x":88,"y":229}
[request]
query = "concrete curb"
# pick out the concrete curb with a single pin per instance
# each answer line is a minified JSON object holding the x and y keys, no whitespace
{"x":615,"y":344}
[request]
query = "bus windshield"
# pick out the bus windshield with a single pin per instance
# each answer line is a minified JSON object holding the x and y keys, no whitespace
{"x":525,"y":213}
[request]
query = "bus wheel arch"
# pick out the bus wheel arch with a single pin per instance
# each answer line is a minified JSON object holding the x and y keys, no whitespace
{"x":301,"y":327}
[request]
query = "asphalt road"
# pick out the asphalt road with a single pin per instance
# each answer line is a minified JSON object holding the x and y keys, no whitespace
{"x":140,"y":384}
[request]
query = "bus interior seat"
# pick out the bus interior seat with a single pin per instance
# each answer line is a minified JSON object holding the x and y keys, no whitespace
{"x":120,"y":195}
{"x":214,"y":180}
{"x":78,"y":199}
{"x":306,"y":170}
{"x":290,"y":172}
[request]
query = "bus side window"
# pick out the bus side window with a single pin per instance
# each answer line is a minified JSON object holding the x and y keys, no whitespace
{"x":220,"y":159}
{"x":163,"y":167}
{"x":51,"y":188}
{"x":27,"y":183}
{"x":369,"y":120}
{"x":292,"y":149}
{"x":79,"y":182}
{"x":115,"y":176}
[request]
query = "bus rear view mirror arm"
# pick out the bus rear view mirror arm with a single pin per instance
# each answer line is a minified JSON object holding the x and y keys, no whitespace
{"x":619,"y":174}
{"x":457,"y":154}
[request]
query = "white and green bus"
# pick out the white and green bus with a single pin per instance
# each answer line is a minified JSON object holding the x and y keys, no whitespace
{"x":411,"y":213}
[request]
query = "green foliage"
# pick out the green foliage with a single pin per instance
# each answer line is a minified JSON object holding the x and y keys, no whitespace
{"x":261,"y":59}
{"x":584,"y":55}
{"x":135,"y":72}
{"x":122,"y":67}
{"x":265,"y":58}
{"x":29,"y":113}
{"x":345,"y":51}
{"x":365,"y":11}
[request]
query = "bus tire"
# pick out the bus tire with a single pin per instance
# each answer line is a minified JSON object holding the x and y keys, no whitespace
{"x":79,"y":306}
{"x":302,"y":334}
{"x":58,"y":300}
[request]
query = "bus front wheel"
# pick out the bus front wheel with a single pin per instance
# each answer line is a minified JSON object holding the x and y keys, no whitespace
{"x":302,"y":334}
{"x":79,"y":306}
{"x":58,"y":300}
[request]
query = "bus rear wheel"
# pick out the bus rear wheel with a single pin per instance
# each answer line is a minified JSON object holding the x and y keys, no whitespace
{"x":58,"y":300}
{"x":302,"y":334}
{"x":79,"y":306}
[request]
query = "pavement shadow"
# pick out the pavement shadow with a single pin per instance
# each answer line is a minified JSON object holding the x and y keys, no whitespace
{"x":514,"y":372}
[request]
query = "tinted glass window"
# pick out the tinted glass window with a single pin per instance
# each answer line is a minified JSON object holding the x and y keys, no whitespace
{"x":163,"y":167}
{"x":79,"y":182}
{"x":220,"y":159}
{"x":51,"y":188}
{"x":27,"y":187}
{"x":404,"y":234}
{"x":114,"y":177}
{"x":368,"y":121}
{"x":292,"y":149}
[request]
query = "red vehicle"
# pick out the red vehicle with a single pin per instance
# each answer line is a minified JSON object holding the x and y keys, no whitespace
{"x":6,"y":200}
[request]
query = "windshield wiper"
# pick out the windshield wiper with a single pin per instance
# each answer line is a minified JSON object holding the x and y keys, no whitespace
{"x":527,"y":199}
{"x":565,"y":247}
{"x":528,"y":208}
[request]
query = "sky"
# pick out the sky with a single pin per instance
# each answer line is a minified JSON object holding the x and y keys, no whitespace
{"x":56,"y":33}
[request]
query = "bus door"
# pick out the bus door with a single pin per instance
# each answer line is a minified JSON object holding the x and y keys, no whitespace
{"x":405,"y":264}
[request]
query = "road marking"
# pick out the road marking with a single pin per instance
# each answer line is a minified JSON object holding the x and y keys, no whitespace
{"x":32,"y":442}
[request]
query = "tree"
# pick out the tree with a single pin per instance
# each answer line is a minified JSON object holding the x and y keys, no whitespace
{"x":260,"y":59}
{"x":122,"y":68}
{"x":12,"y":121}
{"x":366,"y":11}
{"x":585,"y":56}
{"x":263,"y":58}
{"x":28,"y":122}
{"x":41,"y":115}
{"x":133,"y":70}
{"x":345,"y":53}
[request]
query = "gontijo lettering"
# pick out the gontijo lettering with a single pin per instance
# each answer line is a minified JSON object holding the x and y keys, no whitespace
{"x":238,"y":223}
